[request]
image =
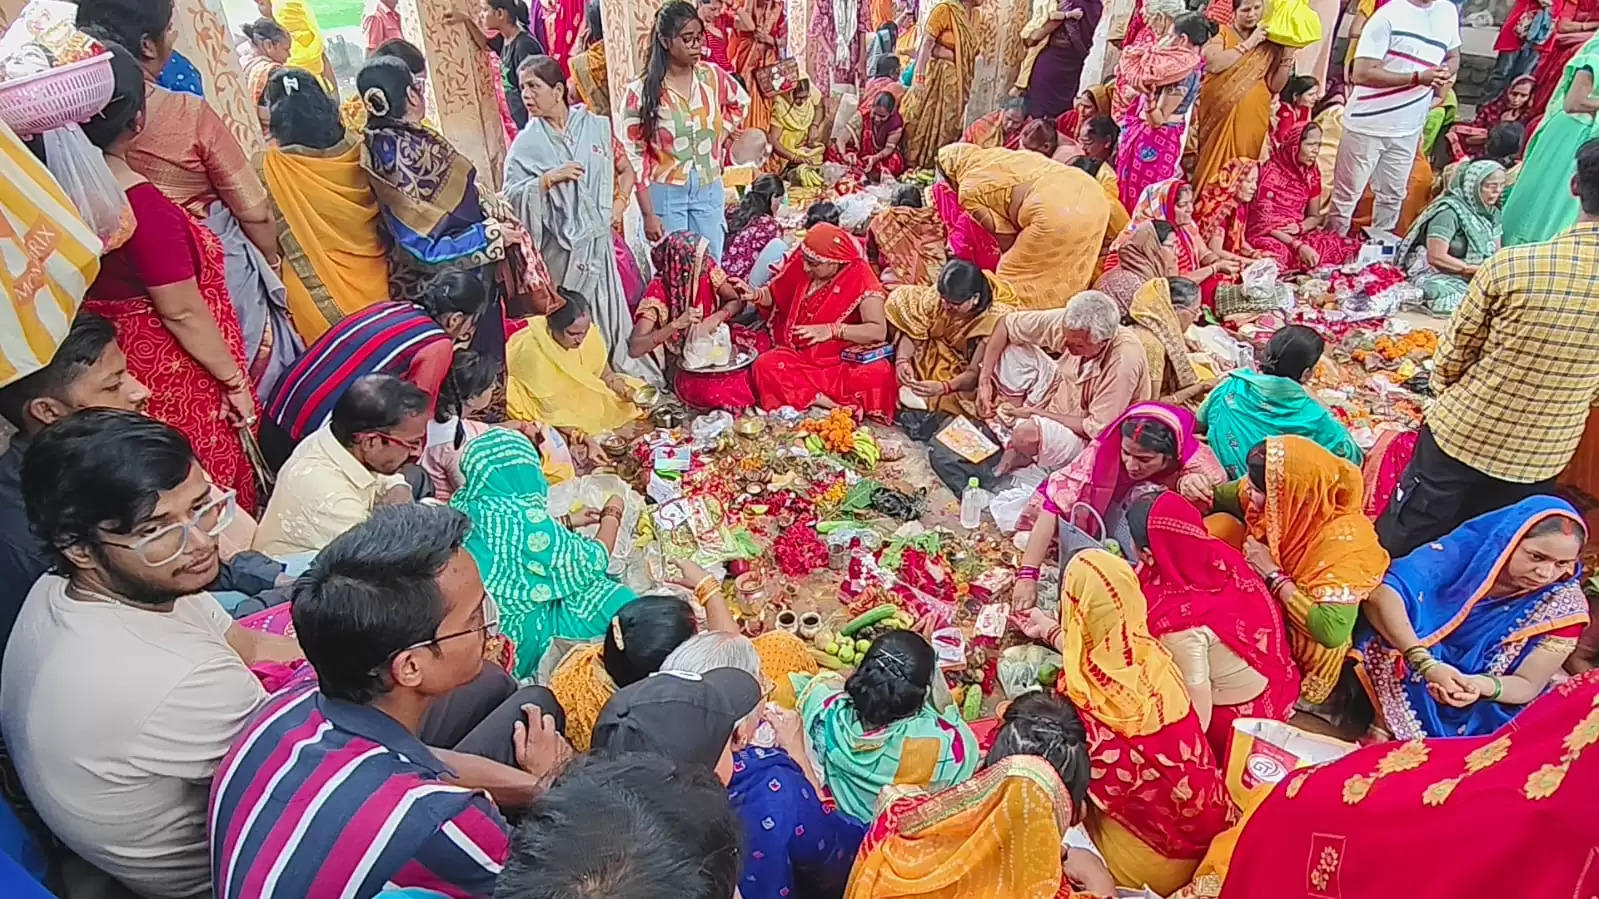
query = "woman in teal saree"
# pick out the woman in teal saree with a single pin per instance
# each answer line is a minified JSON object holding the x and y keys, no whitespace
{"x":548,"y":581}
{"x":1249,"y":406}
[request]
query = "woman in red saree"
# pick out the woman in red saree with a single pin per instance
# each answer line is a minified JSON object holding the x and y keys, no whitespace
{"x":881,"y":147}
{"x":1407,"y":819}
{"x":1213,"y":613}
{"x":824,"y":300}
{"x":1158,"y":798}
{"x":691,"y":292}
{"x":759,"y":39}
{"x":1283,"y":221}
{"x":165,"y":290}
{"x":1575,"y":22}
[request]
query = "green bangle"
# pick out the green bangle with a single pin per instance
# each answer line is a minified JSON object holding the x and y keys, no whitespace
{"x":1499,"y":687}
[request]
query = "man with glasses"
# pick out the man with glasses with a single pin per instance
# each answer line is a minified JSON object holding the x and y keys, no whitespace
{"x":124,"y":683}
{"x":393,"y":616}
{"x":348,"y":467}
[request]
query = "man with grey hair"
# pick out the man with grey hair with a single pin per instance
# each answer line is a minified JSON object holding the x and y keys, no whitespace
{"x":1055,"y":408}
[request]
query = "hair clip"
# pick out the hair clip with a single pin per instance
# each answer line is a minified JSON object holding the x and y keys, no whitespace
{"x":290,"y":84}
{"x":377,"y":102}
{"x":616,"y":632}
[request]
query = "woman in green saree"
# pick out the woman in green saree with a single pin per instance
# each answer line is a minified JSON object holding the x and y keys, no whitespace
{"x":1248,"y":406}
{"x":1542,"y":204}
{"x":883,"y":726}
{"x":1454,"y":235}
{"x":548,"y":581}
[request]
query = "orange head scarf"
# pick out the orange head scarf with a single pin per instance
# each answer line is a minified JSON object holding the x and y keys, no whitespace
{"x":1313,"y":523}
{"x":1218,"y":207}
{"x":1113,"y":669}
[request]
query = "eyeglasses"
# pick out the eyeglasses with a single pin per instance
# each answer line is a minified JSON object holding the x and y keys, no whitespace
{"x":166,"y":544}
{"x":691,"y":39}
{"x":411,"y":446}
{"x":489,"y":628}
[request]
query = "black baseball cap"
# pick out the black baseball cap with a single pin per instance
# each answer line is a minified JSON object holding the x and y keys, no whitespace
{"x":684,"y":716}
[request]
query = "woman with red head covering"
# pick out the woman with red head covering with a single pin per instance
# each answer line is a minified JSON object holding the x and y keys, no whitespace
{"x":1213,"y":614}
{"x":1282,"y":220}
{"x":824,"y":300}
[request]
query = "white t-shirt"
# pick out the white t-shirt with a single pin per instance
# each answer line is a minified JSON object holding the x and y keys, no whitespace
{"x":1407,"y":38}
{"x":117,"y":718}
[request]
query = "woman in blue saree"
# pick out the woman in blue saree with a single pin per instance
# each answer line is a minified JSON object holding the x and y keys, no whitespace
{"x":1465,"y":631}
{"x":1249,"y":406}
{"x":427,"y":191}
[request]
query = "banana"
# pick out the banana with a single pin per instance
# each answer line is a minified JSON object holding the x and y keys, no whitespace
{"x":814,"y":444}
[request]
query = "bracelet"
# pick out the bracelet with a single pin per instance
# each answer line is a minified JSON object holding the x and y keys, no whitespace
{"x":610,"y":513}
{"x":947,"y":387}
{"x":1499,"y":687}
{"x":837,"y":330}
{"x":1027,"y":573}
{"x":1274,"y":580}
{"x":1415,"y":78}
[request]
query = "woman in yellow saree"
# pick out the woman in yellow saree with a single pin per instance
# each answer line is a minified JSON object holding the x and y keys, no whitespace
{"x":1049,"y":218}
{"x":1243,"y":74}
{"x":1162,"y":311}
{"x":1158,"y":797}
{"x":334,"y":262}
{"x":941,"y":333}
{"x":998,"y":835}
{"x":935,"y":107}
{"x":556,"y":373}
{"x":792,"y":133}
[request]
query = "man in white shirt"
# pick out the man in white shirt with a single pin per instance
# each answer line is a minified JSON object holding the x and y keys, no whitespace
{"x":124,"y":683}
{"x":1406,"y":60}
{"x":344,"y":469}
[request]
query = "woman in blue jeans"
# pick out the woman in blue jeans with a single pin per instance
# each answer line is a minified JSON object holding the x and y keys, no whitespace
{"x":677,"y":120}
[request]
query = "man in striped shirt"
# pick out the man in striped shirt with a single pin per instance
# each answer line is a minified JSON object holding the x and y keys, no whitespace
{"x":1405,"y":60}
{"x":328,"y":791}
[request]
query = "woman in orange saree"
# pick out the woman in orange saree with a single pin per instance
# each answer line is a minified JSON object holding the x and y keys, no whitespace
{"x":1355,"y":827}
{"x":996,"y":836}
{"x":1310,"y":540}
{"x":1158,"y":798}
{"x":759,"y":39}
{"x":824,"y":300}
{"x":1243,"y":74}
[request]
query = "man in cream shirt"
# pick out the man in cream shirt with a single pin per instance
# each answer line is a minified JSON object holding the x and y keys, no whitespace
{"x":344,"y":469}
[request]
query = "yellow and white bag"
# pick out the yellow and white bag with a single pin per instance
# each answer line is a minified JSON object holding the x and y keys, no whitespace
{"x":1264,"y":751}
{"x":48,"y":258}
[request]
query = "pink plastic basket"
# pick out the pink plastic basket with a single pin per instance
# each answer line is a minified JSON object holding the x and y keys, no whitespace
{"x":72,"y":93}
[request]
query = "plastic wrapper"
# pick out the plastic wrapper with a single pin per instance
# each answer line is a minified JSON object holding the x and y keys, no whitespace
{"x":80,"y":168}
{"x":1265,"y":751}
{"x":1020,"y":667}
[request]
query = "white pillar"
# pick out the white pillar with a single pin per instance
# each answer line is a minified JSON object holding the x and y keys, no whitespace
{"x":203,"y":38}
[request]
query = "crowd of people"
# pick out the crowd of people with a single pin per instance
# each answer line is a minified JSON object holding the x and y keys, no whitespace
{"x":292,"y":609}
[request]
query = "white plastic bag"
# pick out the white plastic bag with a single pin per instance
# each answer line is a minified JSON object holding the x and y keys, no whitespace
{"x":710,"y":351}
{"x":1007,"y":506}
{"x":79,"y":167}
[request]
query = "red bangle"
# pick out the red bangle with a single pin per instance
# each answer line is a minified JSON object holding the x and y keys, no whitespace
{"x":1027,"y":573}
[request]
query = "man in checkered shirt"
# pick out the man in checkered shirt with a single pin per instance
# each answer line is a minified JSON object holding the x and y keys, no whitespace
{"x":1515,"y":374}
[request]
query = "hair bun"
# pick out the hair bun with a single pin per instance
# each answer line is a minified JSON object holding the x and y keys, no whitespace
{"x":377,"y":102}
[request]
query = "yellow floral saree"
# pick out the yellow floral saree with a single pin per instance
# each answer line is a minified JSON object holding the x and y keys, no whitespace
{"x":943,"y":345}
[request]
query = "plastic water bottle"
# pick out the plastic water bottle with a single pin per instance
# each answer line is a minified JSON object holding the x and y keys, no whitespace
{"x":974,"y":500}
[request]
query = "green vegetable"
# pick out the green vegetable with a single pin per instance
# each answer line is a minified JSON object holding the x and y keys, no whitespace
{"x":862,"y":645}
{"x":1047,"y":676}
{"x":832,"y":649}
{"x":867,"y":619}
{"x":846,"y":654}
{"x":859,"y":497}
{"x":826,"y":661}
{"x":972,"y":705}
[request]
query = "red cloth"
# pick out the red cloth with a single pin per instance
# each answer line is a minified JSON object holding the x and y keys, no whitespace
{"x":1385,"y":462}
{"x":1286,"y":189}
{"x":561,"y":26}
{"x":1196,"y":580}
{"x":1164,"y":787}
{"x":967,"y":239}
{"x":794,"y":374}
{"x":1355,"y":828}
{"x":168,"y":247}
{"x":1552,"y":64}
{"x":1289,"y":117}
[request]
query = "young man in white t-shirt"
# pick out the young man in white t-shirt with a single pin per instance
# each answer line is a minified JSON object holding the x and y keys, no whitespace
{"x":124,"y":682}
{"x":1405,"y":61}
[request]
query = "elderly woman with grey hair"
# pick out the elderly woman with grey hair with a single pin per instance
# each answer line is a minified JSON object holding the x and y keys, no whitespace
{"x":793,"y":845}
{"x":1051,"y":408}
